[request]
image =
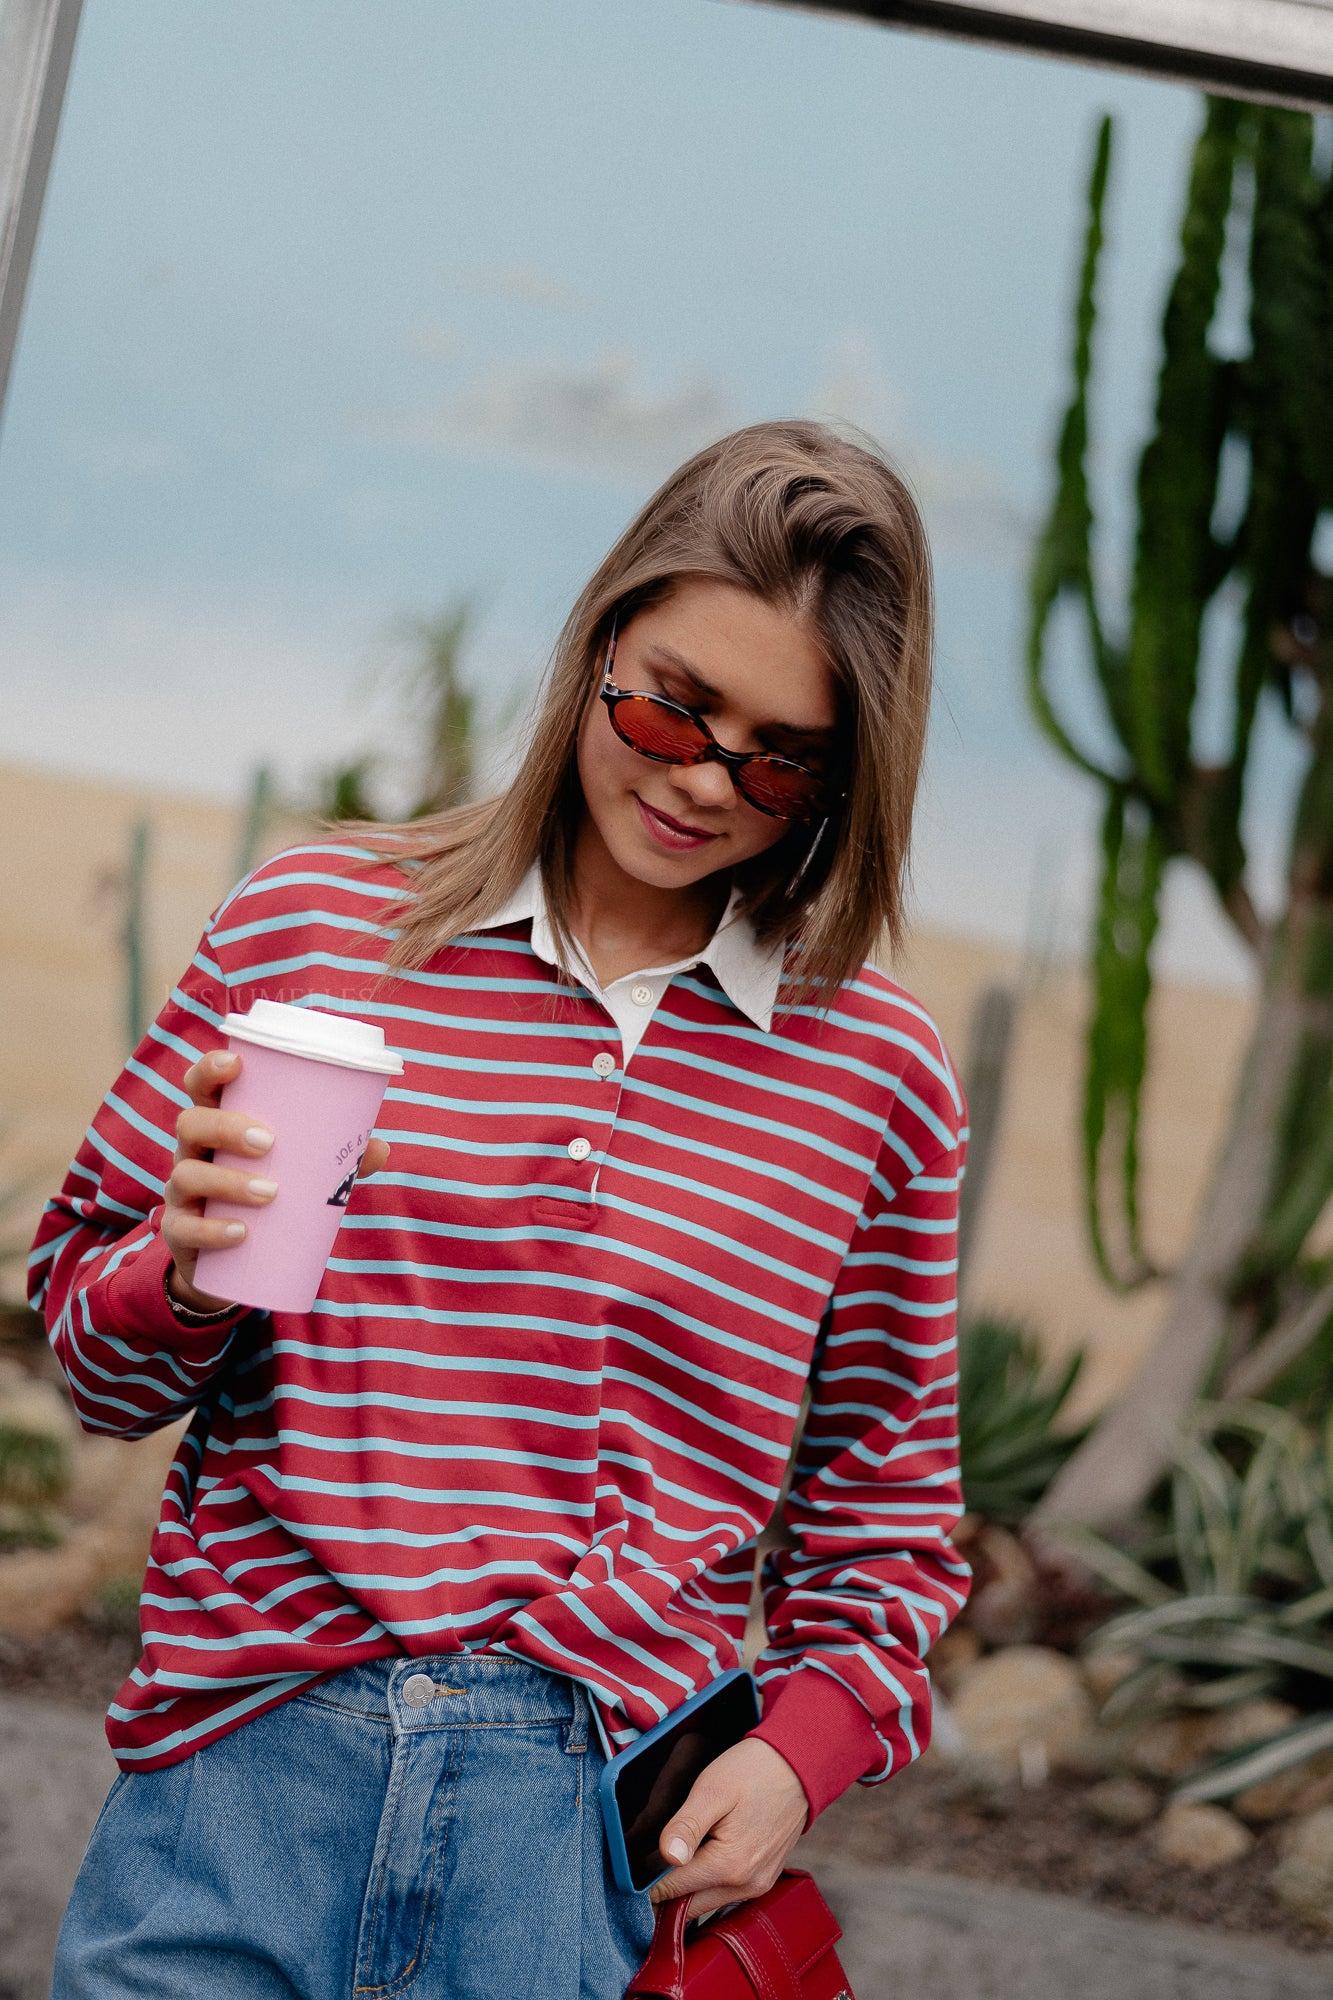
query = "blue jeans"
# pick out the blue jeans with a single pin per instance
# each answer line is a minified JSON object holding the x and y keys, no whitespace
{"x":420,"y":1827}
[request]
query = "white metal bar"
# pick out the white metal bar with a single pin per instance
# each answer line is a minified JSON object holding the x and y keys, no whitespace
{"x":1277,"y":50}
{"x":36,"y":44}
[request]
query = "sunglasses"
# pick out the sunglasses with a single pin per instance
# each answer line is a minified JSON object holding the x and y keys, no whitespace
{"x":670,"y":733}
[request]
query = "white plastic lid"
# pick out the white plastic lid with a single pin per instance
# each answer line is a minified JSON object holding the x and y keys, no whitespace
{"x":305,"y":1031}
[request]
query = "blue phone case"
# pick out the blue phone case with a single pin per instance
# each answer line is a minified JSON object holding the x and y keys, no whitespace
{"x":614,"y":1769}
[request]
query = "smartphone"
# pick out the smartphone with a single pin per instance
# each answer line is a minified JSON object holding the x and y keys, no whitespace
{"x":645,"y":1785}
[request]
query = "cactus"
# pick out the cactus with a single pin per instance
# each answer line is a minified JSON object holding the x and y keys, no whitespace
{"x":449,"y":711}
{"x":1248,"y":1275}
{"x":258,"y":812}
{"x":133,"y":932}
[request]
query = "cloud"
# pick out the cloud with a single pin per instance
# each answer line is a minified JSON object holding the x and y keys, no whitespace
{"x":967,"y":507}
{"x":598,"y":419}
{"x":522,"y":283}
{"x":433,"y":341}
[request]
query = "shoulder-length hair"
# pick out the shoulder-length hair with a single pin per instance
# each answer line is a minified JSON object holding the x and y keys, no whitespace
{"x":815,"y":523}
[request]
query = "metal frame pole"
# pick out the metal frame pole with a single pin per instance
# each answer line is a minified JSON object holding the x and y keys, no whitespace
{"x":36,"y":45}
{"x":1279,"y":51}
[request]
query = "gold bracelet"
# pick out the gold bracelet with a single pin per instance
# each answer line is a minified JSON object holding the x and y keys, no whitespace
{"x":187,"y":1314}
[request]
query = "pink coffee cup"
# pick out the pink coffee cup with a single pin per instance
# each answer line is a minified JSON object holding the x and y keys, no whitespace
{"x":316,"y":1081}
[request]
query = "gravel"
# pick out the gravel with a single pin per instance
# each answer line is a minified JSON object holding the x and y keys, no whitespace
{"x":927,"y":1820}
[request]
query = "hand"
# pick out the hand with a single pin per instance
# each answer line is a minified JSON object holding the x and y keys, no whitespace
{"x":745,"y":1813}
{"x":194,"y":1177}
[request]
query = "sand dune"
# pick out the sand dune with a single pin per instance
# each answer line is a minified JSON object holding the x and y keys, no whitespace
{"x":64,"y":842}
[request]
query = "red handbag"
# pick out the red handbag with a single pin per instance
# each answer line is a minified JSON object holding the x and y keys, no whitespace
{"x":778,"y":1947}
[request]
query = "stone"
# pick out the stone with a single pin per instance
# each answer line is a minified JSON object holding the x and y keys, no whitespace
{"x":950,"y":1657}
{"x":1103,"y":1672}
{"x":1093,"y":1754}
{"x":1169,"y":1746}
{"x":1303,"y":1878}
{"x":1201,"y":1837}
{"x":1299,"y":1789}
{"x":1004,"y":1610}
{"x":1248,"y":1722}
{"x":1021,"y":1706}
{"x":1122,"y":1801}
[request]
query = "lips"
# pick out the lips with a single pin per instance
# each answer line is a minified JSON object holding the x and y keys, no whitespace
{"x":669,"y":832}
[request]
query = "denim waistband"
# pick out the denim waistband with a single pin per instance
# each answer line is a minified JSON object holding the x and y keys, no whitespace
{"x":457,"y":1691}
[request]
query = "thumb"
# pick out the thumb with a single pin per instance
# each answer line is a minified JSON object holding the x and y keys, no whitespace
{"x":683,"y":1835}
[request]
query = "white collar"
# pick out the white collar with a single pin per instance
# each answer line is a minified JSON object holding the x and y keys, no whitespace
{"x":748,"y":972}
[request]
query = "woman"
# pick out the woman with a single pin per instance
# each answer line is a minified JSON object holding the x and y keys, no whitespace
{"x":667,"y":1150}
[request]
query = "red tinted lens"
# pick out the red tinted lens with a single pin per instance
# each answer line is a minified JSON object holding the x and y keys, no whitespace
{"x":788,"y":791}
{"x":655,"y":730}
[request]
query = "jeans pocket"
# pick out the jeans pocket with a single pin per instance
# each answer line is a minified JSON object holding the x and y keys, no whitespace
{"x":118,"y":1784}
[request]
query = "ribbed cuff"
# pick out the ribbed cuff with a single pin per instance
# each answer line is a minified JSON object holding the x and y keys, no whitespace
{"x":823,"y":1732}
{"x":136,"y":1301}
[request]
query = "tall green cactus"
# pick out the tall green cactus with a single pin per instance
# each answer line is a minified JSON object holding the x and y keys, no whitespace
{"x":133,"y":935}
{"x":1264,"y":424}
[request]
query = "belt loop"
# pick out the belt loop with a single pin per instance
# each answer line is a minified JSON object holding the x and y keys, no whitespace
{"x":576,"y":1730}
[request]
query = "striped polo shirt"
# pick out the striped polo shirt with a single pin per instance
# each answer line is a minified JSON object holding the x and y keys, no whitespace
{"x":544,"y":1401}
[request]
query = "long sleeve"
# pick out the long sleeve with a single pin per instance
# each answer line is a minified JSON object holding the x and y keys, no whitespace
{"x":872,"y":1580}
{"x":98,"y":1266}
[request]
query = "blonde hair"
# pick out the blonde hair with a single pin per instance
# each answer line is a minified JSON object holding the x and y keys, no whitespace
{"x":815,"y":523}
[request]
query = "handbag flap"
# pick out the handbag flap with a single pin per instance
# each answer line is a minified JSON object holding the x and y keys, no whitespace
{"x":791,"y":1926}
{"x":769,"y":1944}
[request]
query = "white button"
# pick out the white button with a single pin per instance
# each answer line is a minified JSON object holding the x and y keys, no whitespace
{"x":579,"y":1149}
{"x":642,"y":996}
{"x":418,"y":1689}
{"x":604,"y":1064}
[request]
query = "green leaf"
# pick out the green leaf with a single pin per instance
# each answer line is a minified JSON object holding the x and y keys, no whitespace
{"x":1237,"y":1773}
{"x":1062,"y":563}
{"x":1133,"y":859}
{"x":1174,"y":570}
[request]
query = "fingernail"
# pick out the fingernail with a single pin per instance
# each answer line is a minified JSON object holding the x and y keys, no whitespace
{"x":224,"y":1058}
{"x":234,"y":1231}
{"x":258,"y":1140}
{"x":677,"y":1850}
{"x":265,"y":1190}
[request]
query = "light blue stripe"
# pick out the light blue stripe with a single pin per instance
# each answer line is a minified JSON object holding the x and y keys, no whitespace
{"x":211,"y":1723}
{"x":462,"y":1363}
{"x":559,"y":1281}
{"x":804,"y":1323}
{"x":383,"y":1399}
{"x":126,"y":1167}
{"x":161,"y":1084}
{"x":138,"y":1123}
{"x":296,"y":920}
{"x":746,"y":1120}
{"x":911,"y":1308}
{"x":387,"y":1489}
{"x":399,"y":1448}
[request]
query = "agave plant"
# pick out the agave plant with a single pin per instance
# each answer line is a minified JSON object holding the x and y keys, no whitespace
{"x":1234,"y":1592}
{"x":1009,"y":1409}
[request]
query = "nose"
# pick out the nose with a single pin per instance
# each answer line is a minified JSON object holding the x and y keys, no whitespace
{"x":706,"y":785}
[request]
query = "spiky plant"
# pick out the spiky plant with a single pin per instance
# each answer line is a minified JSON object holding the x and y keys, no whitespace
{"x":1231,"y":486}
{"x":1234,"y":1589}
{"x":1010,"y":1406}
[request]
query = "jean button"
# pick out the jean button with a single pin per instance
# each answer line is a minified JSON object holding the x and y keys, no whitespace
{"x":418,"y":1689}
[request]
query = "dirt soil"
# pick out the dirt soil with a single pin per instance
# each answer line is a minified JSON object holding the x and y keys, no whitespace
{"x":1047,"y":1839}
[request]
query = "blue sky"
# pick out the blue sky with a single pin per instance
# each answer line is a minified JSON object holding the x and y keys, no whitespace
{"x":338,"y":313}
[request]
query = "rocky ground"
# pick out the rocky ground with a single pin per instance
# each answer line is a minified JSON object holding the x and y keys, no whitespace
{"x":939,"y":1818}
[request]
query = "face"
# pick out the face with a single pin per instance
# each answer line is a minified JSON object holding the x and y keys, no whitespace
{"x":759,"y":679}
